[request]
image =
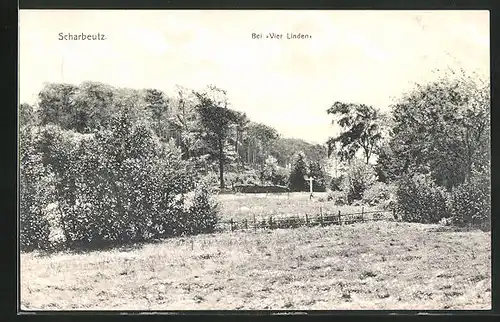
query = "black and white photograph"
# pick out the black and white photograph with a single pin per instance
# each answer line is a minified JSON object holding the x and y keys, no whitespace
{"x":279,"y":160}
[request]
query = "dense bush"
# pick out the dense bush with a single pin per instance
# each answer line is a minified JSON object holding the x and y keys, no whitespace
{"x":380,"y":194}
{"x":339,"y":198}
{"x":471,"y":203}
{"x":111,"y":187}
{"x":359,"y":177}
{"x":272,"y":173}
{"x":336,"y":183}
{"x":203,"y":210}
{"x":281,"y":177}
{"x":36,"y":193}
{"x":421,"y":200}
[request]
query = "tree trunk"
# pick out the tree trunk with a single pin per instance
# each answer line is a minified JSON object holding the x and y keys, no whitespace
{"x":221,"y":165}
{"x":468,"y":171}
{"x":367,"y":155}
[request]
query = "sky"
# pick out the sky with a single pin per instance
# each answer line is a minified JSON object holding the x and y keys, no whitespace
{"x":369,"y":57}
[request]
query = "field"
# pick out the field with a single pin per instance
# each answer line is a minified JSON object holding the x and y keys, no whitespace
{"x":374,"y":265}
{"x":245,"y":206}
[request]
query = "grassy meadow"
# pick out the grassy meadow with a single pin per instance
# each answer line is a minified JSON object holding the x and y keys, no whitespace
{"x":279,"y":205}
{"x":374,"y":265}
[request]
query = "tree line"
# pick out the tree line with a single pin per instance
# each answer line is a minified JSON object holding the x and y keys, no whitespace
{"x":202,"y":123}
{"x":433,"y":148}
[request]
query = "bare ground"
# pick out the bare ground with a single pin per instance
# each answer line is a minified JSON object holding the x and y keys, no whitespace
{"x":377,"y":265}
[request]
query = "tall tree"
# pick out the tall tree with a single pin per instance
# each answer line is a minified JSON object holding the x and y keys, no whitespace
{"x":157,"y":105}
{"x":317,"y":172}
{"x":443,"y":127}
{"x":56,"y":104}
{"x":360,"y":129}
{"x":218,"y":120}
{"x":299,"y":170}
{"x":259,"y":138}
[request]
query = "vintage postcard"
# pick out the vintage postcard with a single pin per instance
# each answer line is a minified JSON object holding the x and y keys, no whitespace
{"x":254,"y":160}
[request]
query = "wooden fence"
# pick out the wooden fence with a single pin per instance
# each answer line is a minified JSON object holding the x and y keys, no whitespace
{"x":320,"y":219}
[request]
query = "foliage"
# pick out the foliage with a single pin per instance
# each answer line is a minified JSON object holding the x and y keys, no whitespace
{"x":217,"y":120}
{"x":36,"y":193}
{"x":471,"y":203}
{"x":441,"y":128}
{"x":273,"y":173}
{"x":56,"y":104}
{"x":421,"y":200}
{"x":380,"y":194}
{"x":118,"y":185}
{"x":27,"y":115}
{"x":298,"y":173}
{"x":339,"y":198}
{"x":317,"y":172}
{"x":336,"y":183}
{"x":359,"y":177}
{"x":157,"y":106}
{"x":285,"y":149}
{"x":281,"y":176}
{"x":203,"y":211}
{"x":361,"y":129}
{"x":257,"y":142}
{"x":185,"y":121}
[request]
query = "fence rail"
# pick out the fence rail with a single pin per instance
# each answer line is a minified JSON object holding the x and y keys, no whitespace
{"x":307,"y":220}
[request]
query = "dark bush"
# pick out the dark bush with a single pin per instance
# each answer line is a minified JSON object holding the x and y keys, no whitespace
{"x":421,"y":200}
{"x":298,"y":172}
{"x":36,"y":193}
{"x":471,"y":203}
{"x":116,"y":186}
{"x":336,"y":183}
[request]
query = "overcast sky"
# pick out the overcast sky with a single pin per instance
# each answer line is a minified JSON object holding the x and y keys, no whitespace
{"x":366,"y":57}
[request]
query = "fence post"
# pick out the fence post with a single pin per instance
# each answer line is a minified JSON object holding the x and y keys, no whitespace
{"x":307,"y":220}
{"x":246,"y":224}
{"x":231,"y":221}
{"x":270,"y":222}
{"x":362,"y":214}
{"x":340,"y":219}
{"x":321,"y":219}
{"x":254,"y":224}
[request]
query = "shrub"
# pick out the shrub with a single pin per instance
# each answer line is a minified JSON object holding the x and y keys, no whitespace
{"x":471,"y":203}
{"x":380,"y":194}
{"x":339,"y":198}
{"x":359,"y":177}
{"x":336,"y":183}
{"x":212,"y":179}
{"x":280,"y":177}
{"x":123,"y":185}
{"x":231,"y":179}
{"x":421,"y":200}
{"x":203,"y":210}
{"x":36,"y":193}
